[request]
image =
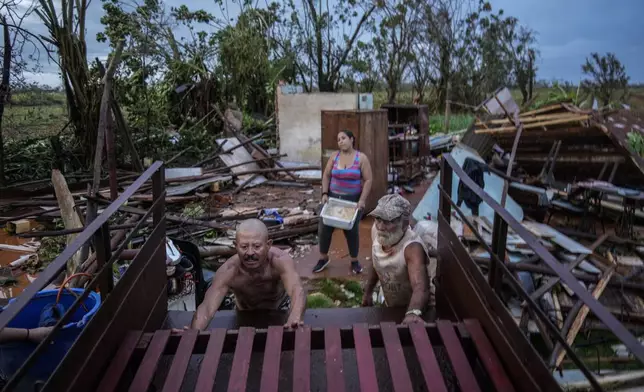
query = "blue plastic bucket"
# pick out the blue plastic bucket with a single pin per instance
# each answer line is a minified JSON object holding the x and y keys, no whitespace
{"x":13,"y":354}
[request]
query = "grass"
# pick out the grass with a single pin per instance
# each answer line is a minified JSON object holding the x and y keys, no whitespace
{"x":25,"y":122}
{"x":331,"y":293}
{"x":34,"y":114}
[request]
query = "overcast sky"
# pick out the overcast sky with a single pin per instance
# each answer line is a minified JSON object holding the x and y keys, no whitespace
{"x":567,"y":31}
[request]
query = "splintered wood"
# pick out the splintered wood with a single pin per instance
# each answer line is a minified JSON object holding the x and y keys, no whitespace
{"x":70,"y":217}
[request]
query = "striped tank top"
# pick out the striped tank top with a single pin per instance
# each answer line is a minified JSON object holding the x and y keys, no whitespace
{"x":346,"y":181}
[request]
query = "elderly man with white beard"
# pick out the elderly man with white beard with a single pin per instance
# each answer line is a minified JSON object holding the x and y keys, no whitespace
{"x":399,"y":258}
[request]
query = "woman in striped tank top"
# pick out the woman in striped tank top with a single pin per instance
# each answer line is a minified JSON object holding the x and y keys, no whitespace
{"x":347,"y":176}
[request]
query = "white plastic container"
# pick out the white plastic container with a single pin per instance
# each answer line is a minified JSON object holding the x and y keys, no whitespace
{"x":336,"y":222}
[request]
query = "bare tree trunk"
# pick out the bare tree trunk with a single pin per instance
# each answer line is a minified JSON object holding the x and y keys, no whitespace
{"x":4,"y":91}
{"x":104,"y":113}
{"x":531,"y":76}
{"x":392,"y":92}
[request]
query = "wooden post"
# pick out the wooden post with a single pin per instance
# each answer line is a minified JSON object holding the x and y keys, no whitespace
{"x":499,"y":240}
{"x":103,"y":255}
{"x":105,"y":113}
{"x":445,"y":208}
{"x":158,"y":190}
{"x":110,"y":148}
{"x":447,"y":106}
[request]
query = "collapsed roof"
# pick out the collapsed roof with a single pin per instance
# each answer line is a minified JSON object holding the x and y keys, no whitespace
{"x":593,"y":144}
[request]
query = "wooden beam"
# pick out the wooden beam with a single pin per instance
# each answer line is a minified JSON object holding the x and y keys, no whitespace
{"x":583,"y":313}
{"x":511,"y":129}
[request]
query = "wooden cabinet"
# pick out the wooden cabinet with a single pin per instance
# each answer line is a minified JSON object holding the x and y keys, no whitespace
{"x":370,"y":130}
{"x":408,"y":140}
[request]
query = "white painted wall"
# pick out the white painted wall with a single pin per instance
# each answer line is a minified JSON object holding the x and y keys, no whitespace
{"x":299,"y":120}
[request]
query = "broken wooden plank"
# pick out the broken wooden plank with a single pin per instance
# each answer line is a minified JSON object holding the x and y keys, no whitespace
{"x":69,"y":215}
{"x":554,"y":280}
{"x":581,"y":316}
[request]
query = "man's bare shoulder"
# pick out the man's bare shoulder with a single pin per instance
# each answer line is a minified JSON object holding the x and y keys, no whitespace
{"x":415,"y":252}
{"x":279,"y":258}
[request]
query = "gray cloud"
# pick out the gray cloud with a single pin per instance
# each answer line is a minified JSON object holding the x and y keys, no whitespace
{"x":569,"y":30}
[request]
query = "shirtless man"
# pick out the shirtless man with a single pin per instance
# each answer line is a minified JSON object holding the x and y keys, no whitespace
{"x":399,"y":258}
{"x":259,"y":276}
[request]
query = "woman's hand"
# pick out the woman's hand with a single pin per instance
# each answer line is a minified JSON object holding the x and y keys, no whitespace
{"x":325,"y":199}
{"x":361,"y":204}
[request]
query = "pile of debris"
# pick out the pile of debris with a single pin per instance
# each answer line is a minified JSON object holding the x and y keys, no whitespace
{"x":204,"y":203}
{"x":573,"y":178}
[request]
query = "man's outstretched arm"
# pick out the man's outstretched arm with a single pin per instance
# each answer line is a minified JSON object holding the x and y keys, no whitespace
{"x":215,"y":295}
{"x":286,"y":267}
{"x":417,"y":268}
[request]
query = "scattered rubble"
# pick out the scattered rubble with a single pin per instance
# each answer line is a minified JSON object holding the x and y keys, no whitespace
{"x":571,"y":177}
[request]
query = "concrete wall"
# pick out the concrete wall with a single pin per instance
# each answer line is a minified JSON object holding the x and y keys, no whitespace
{"x":299,"y":121}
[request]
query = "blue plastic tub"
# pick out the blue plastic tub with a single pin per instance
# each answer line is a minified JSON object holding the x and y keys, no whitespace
{"x":13,"y":354}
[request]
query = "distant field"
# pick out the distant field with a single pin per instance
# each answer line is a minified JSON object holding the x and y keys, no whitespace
{"x":34,"y":114}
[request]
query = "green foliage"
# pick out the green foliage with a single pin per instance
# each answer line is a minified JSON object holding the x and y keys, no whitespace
{"x":33,"y":159}
{"x":319,"y":39}
{"x":318,"y":301}
{"x":457,"y":122}
{"x":393,"y":41}
{"x":607,"y":80}
{"x":347,"y":293}
{"x":50,"y":248}
{"x":37,"y":97}
{"x":561,"y":93}
{"x":244,"y":51}
{"x":636,"y":142}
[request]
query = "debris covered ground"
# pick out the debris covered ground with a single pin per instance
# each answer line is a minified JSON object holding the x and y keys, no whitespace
{"x":574,"y":182}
